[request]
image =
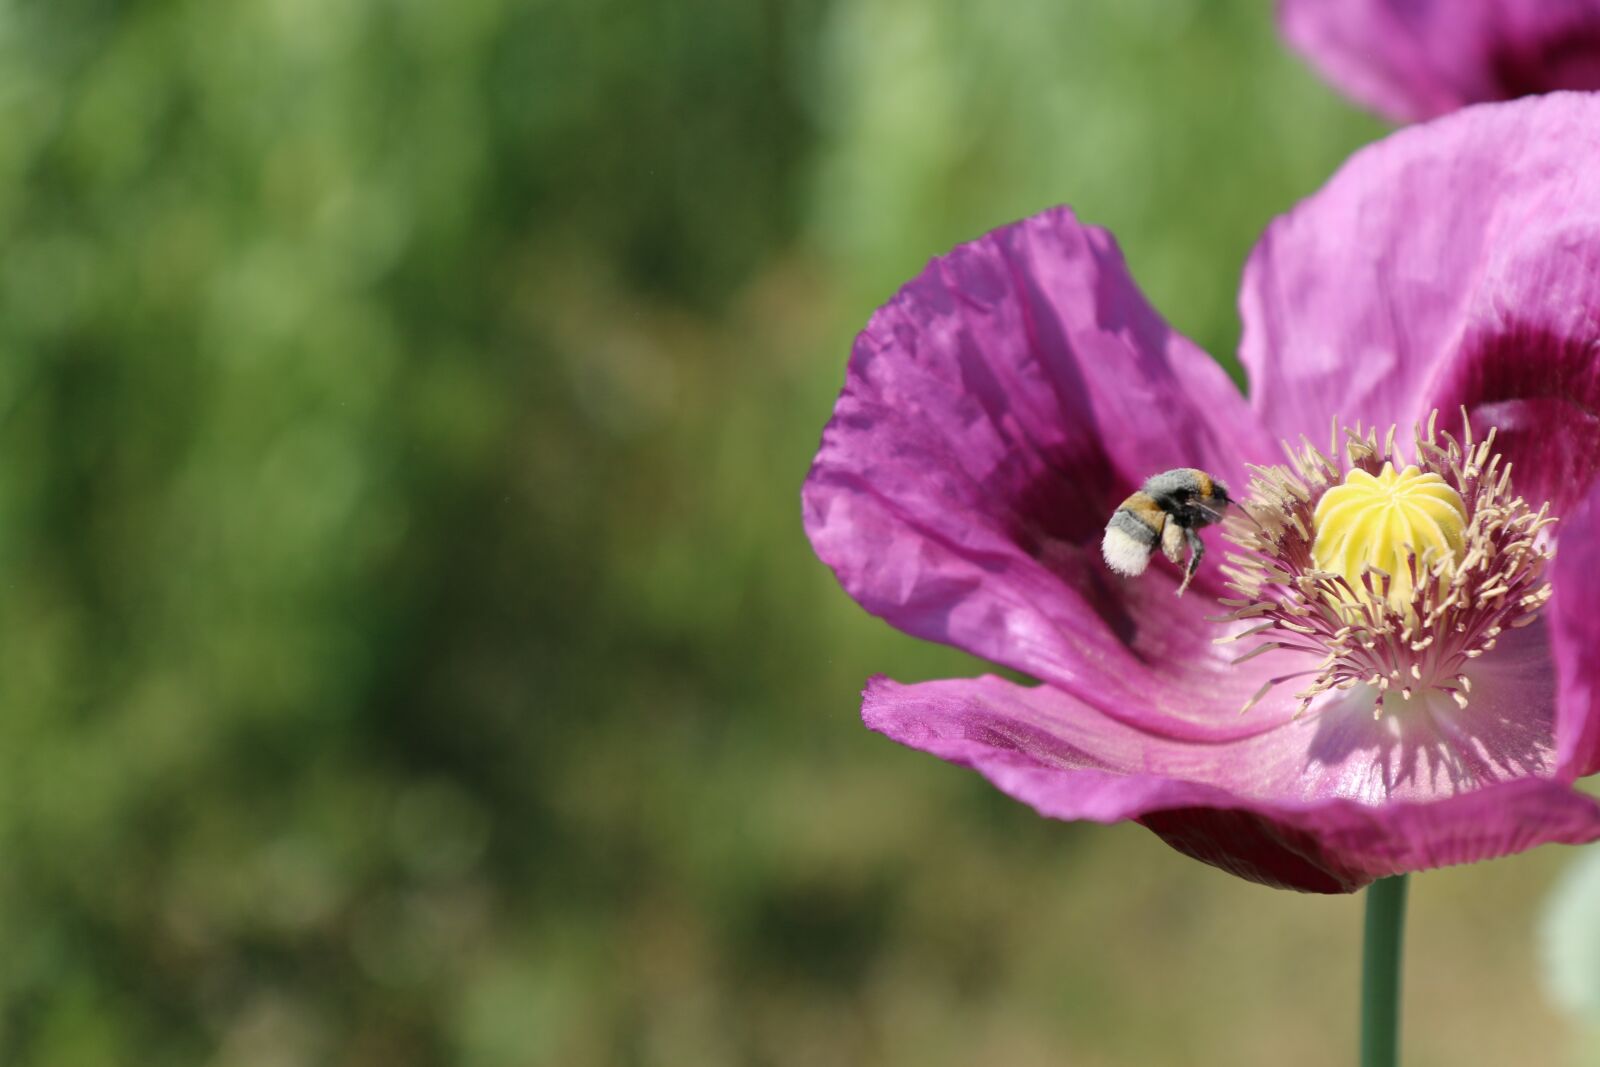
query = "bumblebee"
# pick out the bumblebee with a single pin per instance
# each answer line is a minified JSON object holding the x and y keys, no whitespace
{"x":1168,"y":511}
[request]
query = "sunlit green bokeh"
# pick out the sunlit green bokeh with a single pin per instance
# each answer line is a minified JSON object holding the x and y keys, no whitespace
{"x":411,"y":651}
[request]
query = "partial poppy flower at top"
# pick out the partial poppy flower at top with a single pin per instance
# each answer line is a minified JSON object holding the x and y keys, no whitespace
{"x":1415,"y":59}
{"x":1379,"y":667}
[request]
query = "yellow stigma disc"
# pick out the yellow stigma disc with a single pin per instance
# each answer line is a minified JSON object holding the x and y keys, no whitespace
{"x":1378,"y":520}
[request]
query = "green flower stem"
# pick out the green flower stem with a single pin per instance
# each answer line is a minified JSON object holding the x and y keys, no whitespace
{"x":1380,"y":972}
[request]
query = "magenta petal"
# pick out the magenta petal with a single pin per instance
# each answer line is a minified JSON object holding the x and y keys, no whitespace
{"x":1414,"y":59}
{"x":995,"y":413}
{"x":1574,"y":615}
{"x":1341,"y":846}
{"x":1323,"y":804}
{"x":1451,"y":265}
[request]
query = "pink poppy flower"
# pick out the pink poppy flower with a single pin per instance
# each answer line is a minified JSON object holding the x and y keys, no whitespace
{"x":999,"y":408}
{"x":1414,"y":59}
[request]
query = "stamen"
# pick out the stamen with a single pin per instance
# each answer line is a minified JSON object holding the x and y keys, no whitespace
{"x":1400,"y":574}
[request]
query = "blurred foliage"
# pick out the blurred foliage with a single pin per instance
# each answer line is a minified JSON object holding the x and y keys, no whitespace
{"x":413,"y":655}
{"x":1570,"y":943}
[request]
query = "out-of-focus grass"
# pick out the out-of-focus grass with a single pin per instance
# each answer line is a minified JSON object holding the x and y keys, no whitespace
{"x":413,"y":655}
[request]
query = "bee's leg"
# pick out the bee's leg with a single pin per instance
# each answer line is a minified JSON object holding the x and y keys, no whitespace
{"x":1172,"y":540}
{"x":1197,"y":550}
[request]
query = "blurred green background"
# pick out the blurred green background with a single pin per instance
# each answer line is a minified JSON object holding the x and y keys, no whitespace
{"x":412,"y":653}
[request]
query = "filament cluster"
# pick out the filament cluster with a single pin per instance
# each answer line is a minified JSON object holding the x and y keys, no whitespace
{"x":1401,"y":631}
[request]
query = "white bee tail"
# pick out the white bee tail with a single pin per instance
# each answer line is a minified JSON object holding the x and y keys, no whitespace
{"x":1123,"y":554}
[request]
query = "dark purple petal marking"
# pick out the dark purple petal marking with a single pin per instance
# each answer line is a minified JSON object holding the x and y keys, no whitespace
{"x":1541,"y":390}
{"x":1416,"y":59}
{"x":1452,"y":264}
{"x":1562,"y":55}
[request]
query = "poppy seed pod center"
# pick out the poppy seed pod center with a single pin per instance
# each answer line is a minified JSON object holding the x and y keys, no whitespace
{"x":1395,"y":523}
{"x":1394,"y":581}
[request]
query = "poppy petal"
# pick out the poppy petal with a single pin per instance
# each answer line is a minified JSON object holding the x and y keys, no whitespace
{"x":1453,"y":265}
{"x":1320,"y":806}
{"x":1574,"y":619}
{"x":995,"y":414}
{"x":1415,"y":59}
